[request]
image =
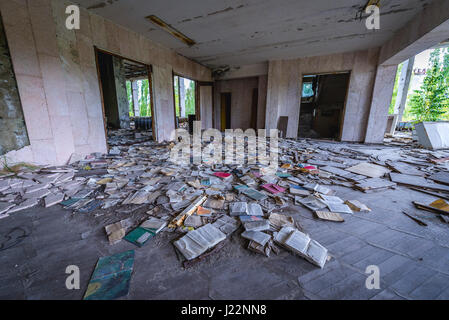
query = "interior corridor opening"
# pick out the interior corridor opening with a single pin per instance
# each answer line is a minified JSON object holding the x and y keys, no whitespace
{"x":126,"y":90}
{"x":323,"y":98}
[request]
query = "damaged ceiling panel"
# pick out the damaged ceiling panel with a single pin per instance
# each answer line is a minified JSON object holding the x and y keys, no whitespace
{"x":241,"y":32}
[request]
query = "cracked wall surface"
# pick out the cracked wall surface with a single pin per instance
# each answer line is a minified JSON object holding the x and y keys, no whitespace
{"x":237,"y":33}
{"x":13,"y":133}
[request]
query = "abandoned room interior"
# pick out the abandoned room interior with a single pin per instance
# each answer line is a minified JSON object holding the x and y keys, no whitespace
{"x":119,"y":122}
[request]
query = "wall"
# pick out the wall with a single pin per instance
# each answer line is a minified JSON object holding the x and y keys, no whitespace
{"x":285,"y":81}
{"x":259,"y":71}
{"x":262,"y":102}
{"x":206,"y":106}
{"x":241,"y":100}
{"x":57,"y":77}
{"x":13,"y":133}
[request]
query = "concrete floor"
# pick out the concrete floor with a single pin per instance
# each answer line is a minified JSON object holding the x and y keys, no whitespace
{"x":413,"y":260}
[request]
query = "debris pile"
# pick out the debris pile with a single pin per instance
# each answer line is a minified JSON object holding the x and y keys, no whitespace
{"x":206,"y":204}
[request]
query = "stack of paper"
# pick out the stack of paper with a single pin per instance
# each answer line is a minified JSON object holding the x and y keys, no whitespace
{"x":198,"y":241}
{"x":301,"y":244}
{"x":257,"y":236}
{"x":226,"y":224}
{"x":238,"y":209}
{"x":260,"y":225}
{"x":254,"y":209}
{"x":335,"y":204}
{"x":154,"y":224}
{"x":311,"y":202}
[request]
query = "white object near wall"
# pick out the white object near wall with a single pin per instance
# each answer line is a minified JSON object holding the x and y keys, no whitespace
{"x":433,"y":135}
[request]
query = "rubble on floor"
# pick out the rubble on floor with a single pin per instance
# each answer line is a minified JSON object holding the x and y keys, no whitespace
{"x":205,"y":205}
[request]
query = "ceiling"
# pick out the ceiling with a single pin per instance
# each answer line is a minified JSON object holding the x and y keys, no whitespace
{"x":242,"y":32}
{"x":134,"y":69}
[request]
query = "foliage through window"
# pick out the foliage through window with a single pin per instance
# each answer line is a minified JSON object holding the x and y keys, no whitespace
{"x":307,"y":90}
{"x":143,"y":98}
{"x":431,"y":101}
{"x":189,"y":101}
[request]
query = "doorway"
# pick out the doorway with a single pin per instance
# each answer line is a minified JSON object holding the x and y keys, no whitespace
{"x":254,"y":107}
{"x":225,"y":118}
{"x":126,"y":91}
{"x":185,"y":101}
{"x":323,"y":100}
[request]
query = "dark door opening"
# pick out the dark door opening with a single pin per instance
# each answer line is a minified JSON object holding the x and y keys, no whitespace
{"x":254,"y":105}
{"x":225,"y":118}
{"x":323,"y":99}
{"x":126,"y":91}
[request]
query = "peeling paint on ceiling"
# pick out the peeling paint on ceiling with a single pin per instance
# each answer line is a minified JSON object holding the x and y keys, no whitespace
{"x":241,"y":32}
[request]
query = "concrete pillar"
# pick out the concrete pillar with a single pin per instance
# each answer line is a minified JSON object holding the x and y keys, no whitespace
{"x":182,"y":97}
{"x":206,"y":106}
{"x":380,"y":103}
{"x":404,"y":84}
{"x":135,"y":91}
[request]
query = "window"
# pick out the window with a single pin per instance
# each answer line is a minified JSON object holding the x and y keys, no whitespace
{"x":307,"y":90}
{"x":184,"y":90}
{"x":138,"y":92}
